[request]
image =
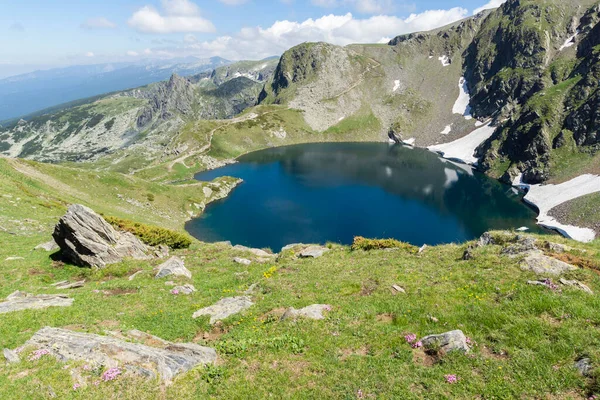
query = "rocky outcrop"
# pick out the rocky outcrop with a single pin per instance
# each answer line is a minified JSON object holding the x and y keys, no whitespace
{"x":19,"y":301}
{"x":164,"y":362}
{"x":87,"y":240}
{"x":225,"y":308}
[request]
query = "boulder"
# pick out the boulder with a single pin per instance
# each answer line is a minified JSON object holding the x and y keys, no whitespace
{"x":314,"y":311}
{"x":313,"y":251}
{"x":446,"y":342}
{"x":523,"y":244}
{"x":256,"y":252}
{"x":19,"y":301}
{"x":584,"y":366}
{"x":225,"y":308}
{"x":173,"y":266}
{"x":292,"y":246}
{"x":485,"y":240}
{"x":242,"y":261}
{"x":165,"y":361}
{"x":87,"y":240}
{"x":11,"y":356}
{"x":48,"y":246}
{"x":541,"y":264}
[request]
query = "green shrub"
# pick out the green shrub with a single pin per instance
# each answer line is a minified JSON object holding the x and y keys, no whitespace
{"x":361,"y":243}
{"x":152,"y":235}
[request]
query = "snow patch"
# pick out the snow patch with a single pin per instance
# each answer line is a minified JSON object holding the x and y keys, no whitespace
{"x":478,"y":124}
{"x":461,"y":106}
{"x":569,"y":42}
{"x":445,"y":60}
{"x":451,"y":177}
{"x":464,"y":148}
{"x":447,"y":130}
{"x":396,"y":85}
{"x":410,"y":142}
{"x":546,"y":197}
{"x":523,"y":229}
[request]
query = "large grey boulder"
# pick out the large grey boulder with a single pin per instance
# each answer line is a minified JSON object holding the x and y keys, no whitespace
{"x":314,"y":311}
{"x":19,"y":301}
{"x":541,"y":264}
{"x":166,"y":361}
{"x":446,"y":342}
{"x":173,"y":266}
{"x":313,"y":252}
{"x":225,"y":308}
{"x":87,"y":240}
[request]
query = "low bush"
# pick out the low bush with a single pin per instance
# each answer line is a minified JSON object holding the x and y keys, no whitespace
{"x":361,"y":243}
{"x":152,"y":235}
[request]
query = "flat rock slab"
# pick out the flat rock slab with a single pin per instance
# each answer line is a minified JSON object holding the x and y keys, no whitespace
{"x":173,"y":266}
{"x":48,"y":246}
{"x":256,"y":252}
{"x":314,"y":311}
{"x":313,"y":251}
{"x":242,"y":261}
{"x":446,"y":342}
{"x":576,"y":284}
{"x":225,"y":308}
{"x":166,"y":361}
{"x":541,"y":264}
{"x":68,"y":285}
{"x":19,"y":301}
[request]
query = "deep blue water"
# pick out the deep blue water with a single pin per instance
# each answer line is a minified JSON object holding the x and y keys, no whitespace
{"x":315,"y":193}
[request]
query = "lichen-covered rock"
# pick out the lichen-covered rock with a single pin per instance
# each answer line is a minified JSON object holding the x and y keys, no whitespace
{"x":225,"y":308}
{"x":314,"y":311}
{"x":446,"y":342}
{"x":313,"y":252}
{"x":242,"y":261}
{"x":173,"y":266}
{"x":19,"y":301}
{"x":166,"y":361}
{"x":87,"y":240}
{"x":256,"y":252}
{"x":541,"y":264}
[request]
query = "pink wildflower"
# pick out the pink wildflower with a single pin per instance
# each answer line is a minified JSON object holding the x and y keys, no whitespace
{"x":360,"y":394}
{"x":175,"y":291}
{"x":87,"y":367}
{"x":327,"y":307}
{"x":411,"y":337}
{"x":451,"y":379}
{"x":96,"y":383}
{"x":417,"y":345}
{"x":36,"y":355}
{"x":469,"y":341}
{"x":111,"y":374}
{"x":76,"y":386}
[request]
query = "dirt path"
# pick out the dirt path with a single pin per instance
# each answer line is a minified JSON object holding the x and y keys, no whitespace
{"x":361,"y":79}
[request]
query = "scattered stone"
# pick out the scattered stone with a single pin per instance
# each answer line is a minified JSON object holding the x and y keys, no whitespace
{"x":256,"y":252}
{"x":486,"y":240}
{"x":398,"y":289}
{"x":242,"y":261}
{"x":251,"y":289}
{"x":48,"y":246}
{"x":161,"y":251}
{"x":87,"y":240}
{"x":313,"y":251}
{"x":185,"y":289}
{"x":13,"y":258}
{"x":558,"y":248}
{"x":173,"y":266}
{"x":170,"y":283}
{"x":225,"y":308}
{"x":11,"y":356}
{"x":292,"y":246}
{"x":314,"y":311}
{"x":69,"y":285}
{"x":446,"y":342}
{"x":132,"y":277}
{"x":576,"y":284}
{"x":523,"y":244}
{"x":60,"y":283}
{"x":536,"y":283}
{"x":541,"y":264}
{"x":166,"y":361}
{"x":19,"y":301}
{"x":584,"y":366}
{"x":433,"y":319}
{"x":423,"y":248}
{"x":468,"y":254}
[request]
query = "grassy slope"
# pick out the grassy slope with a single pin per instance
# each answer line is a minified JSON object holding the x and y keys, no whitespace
{"x":527,"y":337}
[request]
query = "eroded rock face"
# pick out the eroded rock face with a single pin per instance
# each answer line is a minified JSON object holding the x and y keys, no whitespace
{"x":446,"y":342}
{"x":225,"y":308}
{"x":87,"y":240}
{"x":314,"y":311}
{"x":19,"y":301}
{"x":165,"y":362}
{"x":173,"y":266}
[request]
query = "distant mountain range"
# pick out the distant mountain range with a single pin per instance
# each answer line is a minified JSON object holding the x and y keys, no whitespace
{"x":27,"y":93}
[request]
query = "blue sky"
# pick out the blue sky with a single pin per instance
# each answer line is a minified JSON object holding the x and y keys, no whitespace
{"x":67,"y":32}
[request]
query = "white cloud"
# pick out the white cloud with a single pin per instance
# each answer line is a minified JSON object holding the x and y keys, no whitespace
{"x":177,"y":16}
{"x":258,"y":42}
{"x":490,"y":4}
{"x":89,"y":54}
{"x":189,"y":38}
{"x":98,"y":23}
{"x":132,"y":53}
{"x":233,"y":2}
{"x":365,"y":6}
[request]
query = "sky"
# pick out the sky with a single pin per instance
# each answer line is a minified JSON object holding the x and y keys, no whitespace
{"x":43,"y":34}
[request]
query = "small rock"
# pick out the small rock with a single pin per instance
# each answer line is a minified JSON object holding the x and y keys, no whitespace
{"x":398,"y":289}
{"x":225,"y":308}
{"x":584,"y":366}
{"x":68,"y":285}
{"x":314,"y":311}
{"x":185,"y":289}
{"x":446,"y":342}
{"x":170,"y":283}
{"x":422,"y":248}
{"x":11,"y":356}
{"x":242,"y":261}
{"x":576,"y":284}
{"x":538,"y":283}
{"x":541,"y":264}
{"x":433,"y":319}
{"x":48,"y":246}
{"x":524,"y":244}
{"x":313,"y":251}
{"x":558,"y":248}
{"x":251,"y":289}
{"x":485,"y":240}
{"x":19,"y":301}
{"x":173,"y":266}
{"x":132,"y":277}
{"x":161,"y":251}
{"x":468,"y":254}
{"x":292,"y":246}
{"x":14,"y":258}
